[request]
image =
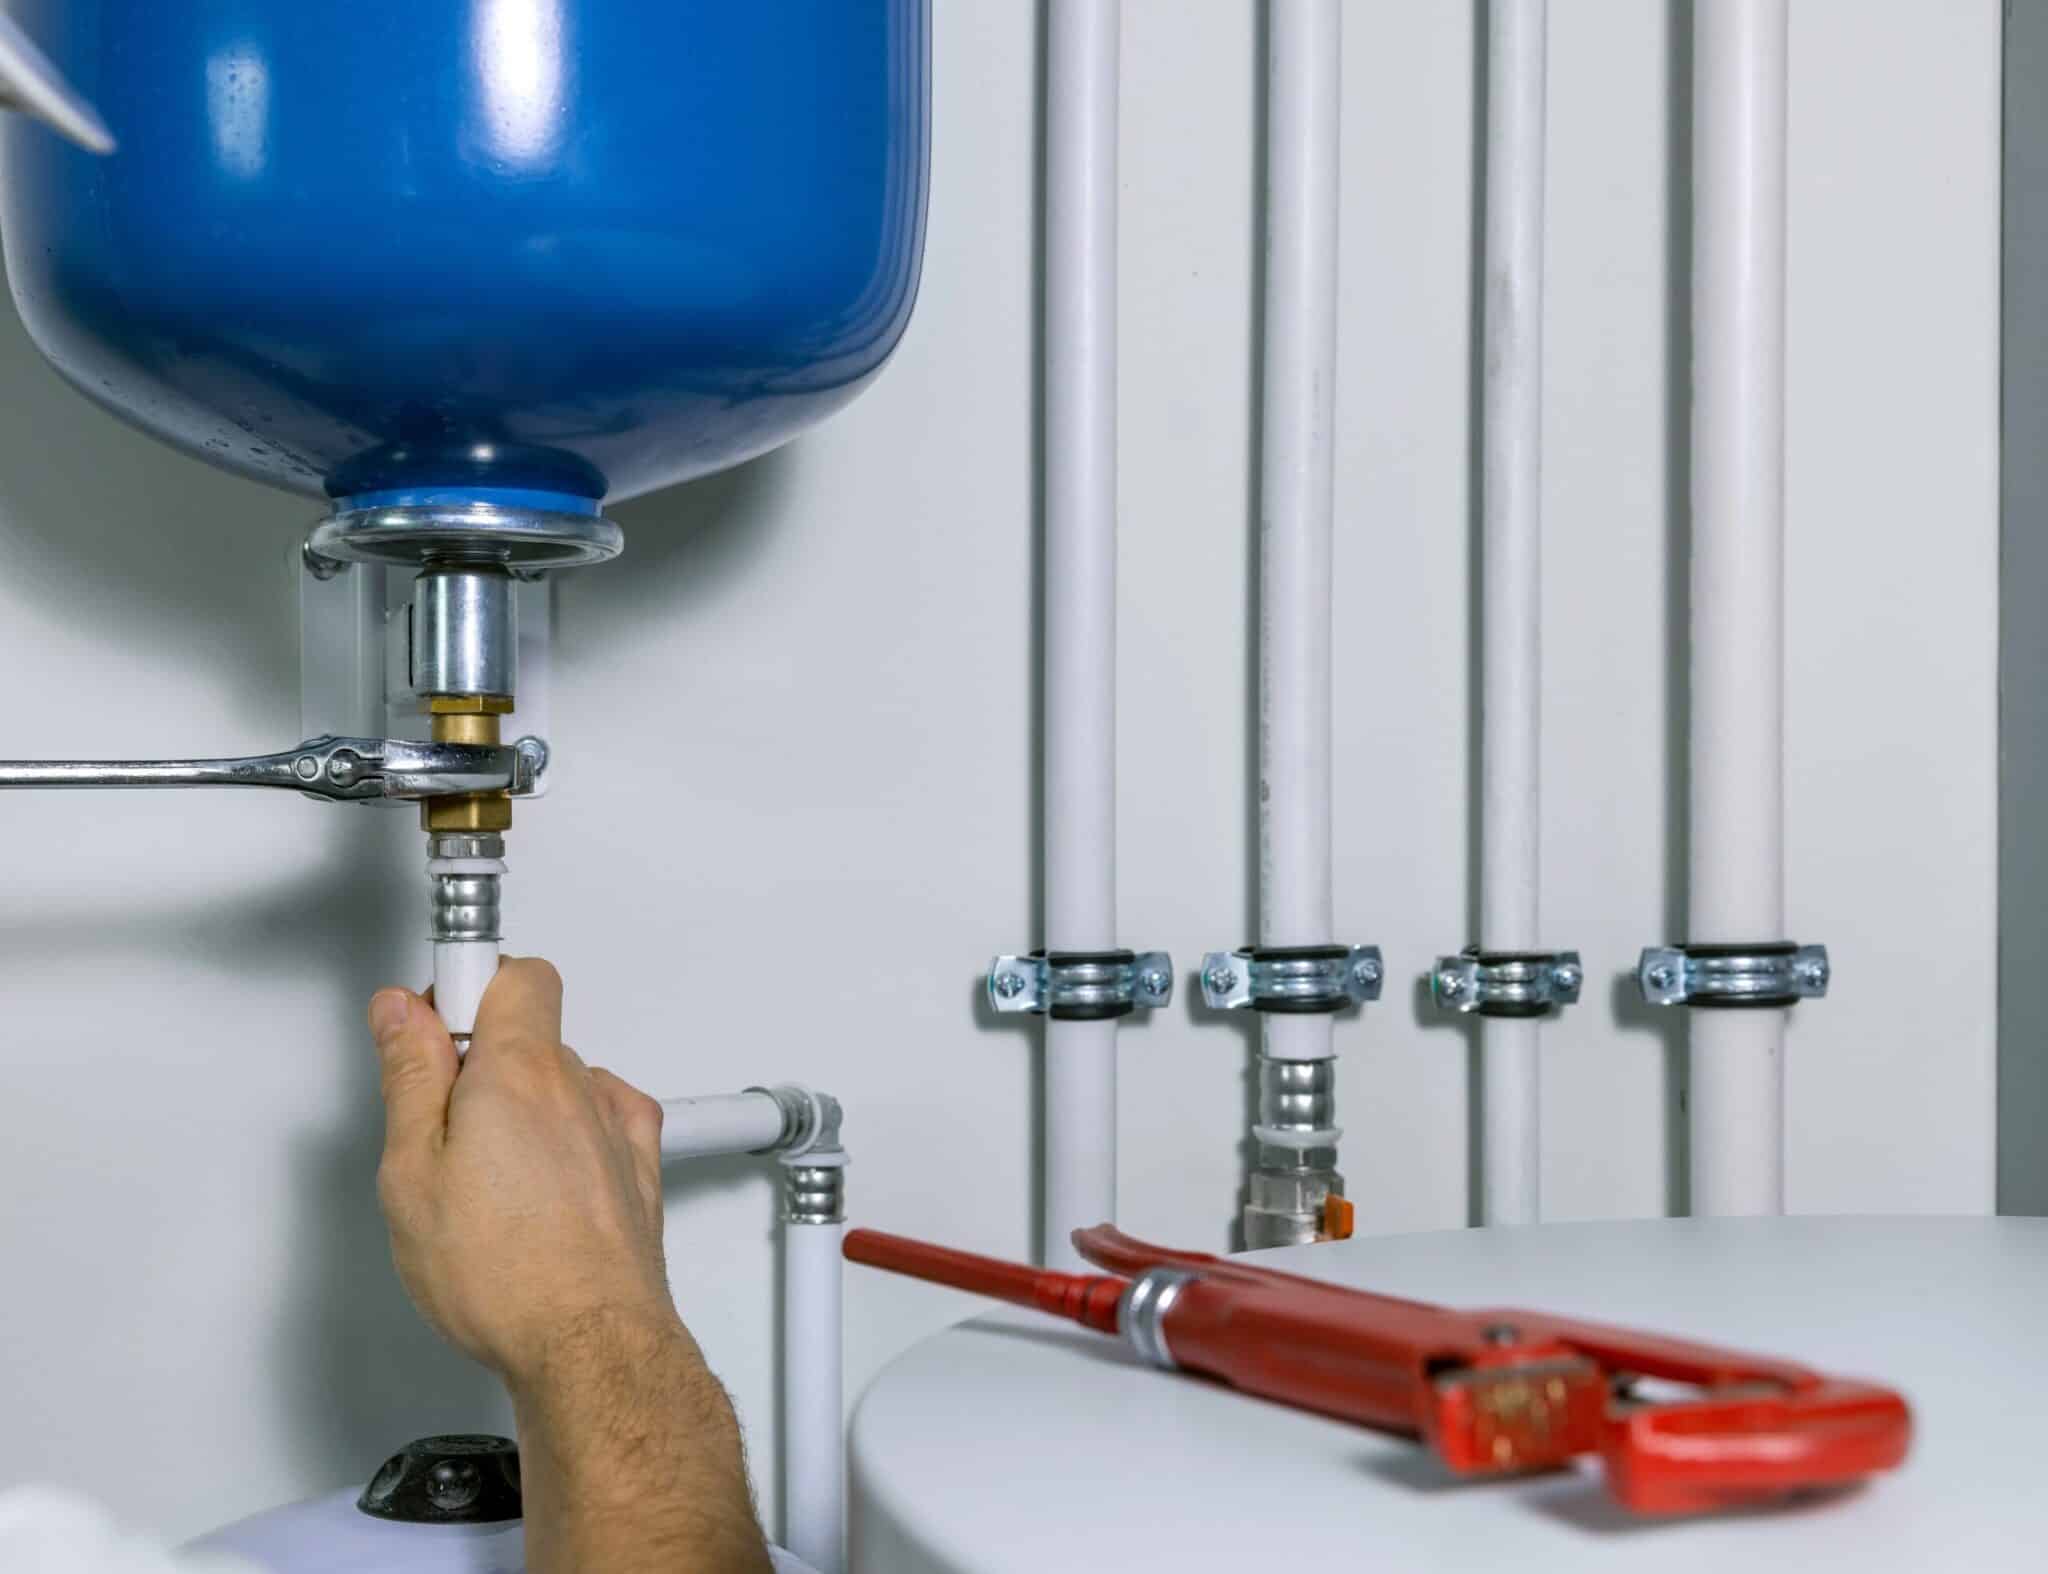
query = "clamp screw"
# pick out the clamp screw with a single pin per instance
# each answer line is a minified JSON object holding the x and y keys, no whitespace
{"x":1009,"y":985}
{"x":1450,"y":983}
{"x":1565,"y":976}
{"x":1813,"y":974}
{"x":1367,"y":973}
{"x":1154,"y":982}
{"x":1661,"y":977}
{"x":1221,"y":980}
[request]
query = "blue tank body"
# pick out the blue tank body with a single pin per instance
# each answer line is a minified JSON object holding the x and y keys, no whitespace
{"x":401,"y":249}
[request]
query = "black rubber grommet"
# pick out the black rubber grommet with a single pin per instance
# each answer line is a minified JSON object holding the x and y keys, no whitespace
{"x":1298,"y":953}
{"x":1103,"y":1013}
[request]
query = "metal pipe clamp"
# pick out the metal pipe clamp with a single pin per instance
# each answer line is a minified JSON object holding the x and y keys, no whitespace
{"x":1081,"y":986}
{"x":1775,"y":973}
{"x":1292,"y":980}
{"x":1506,"y":983}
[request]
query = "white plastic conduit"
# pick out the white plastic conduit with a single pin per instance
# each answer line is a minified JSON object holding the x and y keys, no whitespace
{"x":702,"y":1128}
{"x":1298,"y":382}
{"x":1080,"y":598}
{"x":1511,"y":657}
{"x":813,"y":1419}
{"x":813,"y":1403}
{"x":1736,"y":877}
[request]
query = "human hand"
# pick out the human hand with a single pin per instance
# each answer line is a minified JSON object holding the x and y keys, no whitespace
{"x":523,"y":1191}
{"x":522,"y":1188}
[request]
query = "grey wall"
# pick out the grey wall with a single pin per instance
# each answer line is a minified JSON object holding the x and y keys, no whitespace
{"x":800,"y":714}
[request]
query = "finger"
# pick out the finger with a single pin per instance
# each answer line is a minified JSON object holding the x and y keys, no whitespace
{"x":418,"y":1063}
{"x":522,"y":1006}
{"x":639,"y":1120}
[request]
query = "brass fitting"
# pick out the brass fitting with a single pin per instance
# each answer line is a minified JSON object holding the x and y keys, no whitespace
{"x":467,"y":718}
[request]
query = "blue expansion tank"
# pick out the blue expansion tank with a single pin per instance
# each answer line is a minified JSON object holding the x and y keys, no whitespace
{"x":544,"y":251}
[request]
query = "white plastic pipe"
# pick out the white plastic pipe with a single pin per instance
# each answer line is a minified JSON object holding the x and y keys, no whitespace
{"x":725,"y":1123}
{"x":1080,"y":598}
{"x":813,"y":1407}
{"x":1511,"y":586}
{"x":1736,"y":878}
{"x":1297,"y":390}
{"x":463,"y":970}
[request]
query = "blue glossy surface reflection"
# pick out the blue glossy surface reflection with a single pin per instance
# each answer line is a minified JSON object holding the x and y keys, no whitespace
{"x":575,"y":246}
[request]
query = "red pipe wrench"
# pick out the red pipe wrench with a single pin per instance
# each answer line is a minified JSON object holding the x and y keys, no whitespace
{"x":1491,"y":1392}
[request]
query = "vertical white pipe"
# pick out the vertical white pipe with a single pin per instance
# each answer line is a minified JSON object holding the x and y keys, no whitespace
{"x":1736,"y":878}
{"x":1080,"y":597}
{"x":463,"y":970}
{"x":813,"y":1403}
{"x":1511,"y":586}
{"x":1298,"y":415}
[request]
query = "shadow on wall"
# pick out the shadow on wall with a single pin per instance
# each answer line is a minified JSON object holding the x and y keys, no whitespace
{"x":93,"y":514}
{"x":684,"y":547}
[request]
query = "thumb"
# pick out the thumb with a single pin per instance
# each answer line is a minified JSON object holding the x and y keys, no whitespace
{"x":419,"y":1064}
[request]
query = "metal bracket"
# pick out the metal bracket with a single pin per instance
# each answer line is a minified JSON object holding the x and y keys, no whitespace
{"x":1506,"y":983}
{"x":1081,"y":986}
{"x":343,"y":769}
{"x":1294,"y":980}
{"x":1778,"y":973}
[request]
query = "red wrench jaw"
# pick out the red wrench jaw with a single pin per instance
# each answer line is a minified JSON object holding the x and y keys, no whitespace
{"x":1534,"y":1415}
{"x":1727,"y":1451}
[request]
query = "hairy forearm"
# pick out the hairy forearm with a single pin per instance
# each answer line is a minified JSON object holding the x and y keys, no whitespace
{"x":630,"y":1456}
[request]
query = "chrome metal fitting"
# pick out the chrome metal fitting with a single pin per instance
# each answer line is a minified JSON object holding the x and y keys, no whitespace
{"x":1291,"y":1156}
{"x":1141,"y":1314}
{"x":465,"y":844}
{"x":1777,"y":973}
{"x":1506,"y":983}
{"x":465,"y":884}
{"x":814,"y":1193}
{"x":810,"y":1121}
{"x":1081,"y":986}
{"x":464,"y":638}
{"x":1286,"y":1207}
{"x":1297,"y":1095}
{"x":416,"y":535}
{"x":1295,"y":980}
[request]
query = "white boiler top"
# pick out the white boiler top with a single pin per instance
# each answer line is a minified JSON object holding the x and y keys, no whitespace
{"x":1015,"y":1443}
